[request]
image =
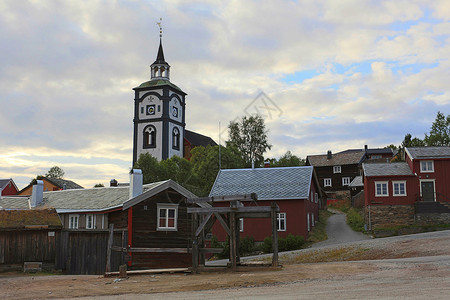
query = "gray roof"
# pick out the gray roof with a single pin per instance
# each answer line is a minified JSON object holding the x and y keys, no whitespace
{"x":387,"y":169}
{"x":428,"y":152}
{"x":337,"y":159}
{"x":356,"y":182}
{"x":14,"y":202}
{"x":104,"y":198}
{"x":4,"y":182}
{"x":267,"y":183}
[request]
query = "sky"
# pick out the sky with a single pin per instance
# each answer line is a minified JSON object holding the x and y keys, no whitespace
{"x":325,"y":75}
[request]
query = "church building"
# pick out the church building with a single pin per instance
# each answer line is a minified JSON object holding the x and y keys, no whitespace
{"x":159,"y":116}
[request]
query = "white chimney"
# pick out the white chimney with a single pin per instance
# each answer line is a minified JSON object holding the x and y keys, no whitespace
{"x":136,"y":180}
{"x":1,"y":190}
{"x":37,"y":195}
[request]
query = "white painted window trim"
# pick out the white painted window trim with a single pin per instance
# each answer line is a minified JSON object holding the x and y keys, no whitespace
{"x":387,"y":189}
{"x":337,"y":169}
{"x":281,"y":219}
{"x":316,"y":197}
{"x":393,"y":188}
{"x":94,"y":221}
{"x":307,"y":222}
{"x":75,"y":217}
{"x":167,"y":207}
{"x":343,"y":181}
{"x":427,"y":171}
{"x":428,"y":180}
{"x":241,"y":224}
{"x":325,"y":180}
{"x":103,"y":221}
{"x":312,"y":220}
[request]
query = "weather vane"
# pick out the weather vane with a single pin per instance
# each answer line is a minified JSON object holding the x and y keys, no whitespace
{"x":160,"y":27}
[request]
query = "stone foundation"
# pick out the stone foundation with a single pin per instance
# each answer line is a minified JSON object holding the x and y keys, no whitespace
{"x":377,"y":216}
{"x":432,"y":218}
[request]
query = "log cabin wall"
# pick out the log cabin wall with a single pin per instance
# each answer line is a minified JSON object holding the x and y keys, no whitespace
{"x":145,"y":233}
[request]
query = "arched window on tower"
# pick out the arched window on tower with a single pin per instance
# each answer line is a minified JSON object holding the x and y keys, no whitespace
{"x":176,"y":138}
{"x":150,"y":137}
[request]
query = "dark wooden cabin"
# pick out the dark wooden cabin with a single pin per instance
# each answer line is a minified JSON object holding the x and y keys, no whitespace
{"x":159,"y":227}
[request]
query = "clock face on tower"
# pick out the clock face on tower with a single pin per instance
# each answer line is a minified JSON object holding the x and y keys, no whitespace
{"x":175,"y":112}
{"x":150,"y":109}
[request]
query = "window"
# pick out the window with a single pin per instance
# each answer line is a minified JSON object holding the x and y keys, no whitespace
{"x":399,"y":188}
{"x":150,"y":137}
{"x":317,"y":197}
{"x":308,"y":224}
{"x":73,"y":221}
{"x":327,"y":182}
{"x":376,"y":156}
{"x":281,"y":221}
{"x":90,"y":221}
{"x":241,"y":224}
{"x":176,"y":139}
{"x":426,"y":166}
{"x":312,"y":220}
{"x":337,"y":169}
{"x":167,"y":216}
{"x":381,"y":189}
{"x":345,"y":180}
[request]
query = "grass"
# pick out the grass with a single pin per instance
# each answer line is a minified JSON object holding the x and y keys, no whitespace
{"x":354,"y":216}
{"x":318,"y":233}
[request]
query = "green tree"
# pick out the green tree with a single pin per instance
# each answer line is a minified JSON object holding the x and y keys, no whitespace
{"x":440,"y":131}
{"x":287,"y":160}
{"x":151,"y":170}
{"x":409,"y":141}
{"x":249,"y":137}
{"x":205,"y":164}
{"x":55,"y":173}
{"x":98,"y":185}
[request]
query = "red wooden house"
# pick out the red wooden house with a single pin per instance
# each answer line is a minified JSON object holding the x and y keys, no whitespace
{"x":295,"y":190}
{"x":413,"y":192}
{"x":8,"y":187}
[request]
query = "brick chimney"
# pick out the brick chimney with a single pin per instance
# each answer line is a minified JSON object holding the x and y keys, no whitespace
{"x":136,"y":179}
{"x":37,"y":194}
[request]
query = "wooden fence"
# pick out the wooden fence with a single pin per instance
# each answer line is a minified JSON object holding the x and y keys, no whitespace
{"x":72,"y":251}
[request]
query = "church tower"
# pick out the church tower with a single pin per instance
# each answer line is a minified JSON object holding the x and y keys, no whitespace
{"x":159,"y":113}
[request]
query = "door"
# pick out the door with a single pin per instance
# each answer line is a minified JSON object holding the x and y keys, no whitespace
{"x":427,"y":190}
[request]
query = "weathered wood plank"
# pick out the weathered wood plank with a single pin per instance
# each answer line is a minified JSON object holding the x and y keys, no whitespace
{"x":242,"y":197}
{"x":159,"y":250}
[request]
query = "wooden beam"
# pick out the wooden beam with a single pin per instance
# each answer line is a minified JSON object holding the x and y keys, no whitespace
{"x":210,"y":250}
{"x":253,"y":215}
{"x":223,"y":223}
{"x":202,"y":224}
{"x":243,"y":197}
{"x":108,"y":250}
{"x":224,"y":210}
{"x":159,"y":250}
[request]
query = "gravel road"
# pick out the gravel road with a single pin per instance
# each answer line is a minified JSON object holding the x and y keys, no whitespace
{"x":339,"y":232}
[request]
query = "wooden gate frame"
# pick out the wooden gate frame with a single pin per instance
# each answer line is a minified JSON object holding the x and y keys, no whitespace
{"x":203,"y":222}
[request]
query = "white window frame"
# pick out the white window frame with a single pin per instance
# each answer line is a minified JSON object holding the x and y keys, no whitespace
{"x":325,"y":180}
{"x":312,"y":220}
{"x":344,"y":179}
{"x":399,"y":194}
{"x":92,"y":223}
{"x":387,"y":189}
{"x":316,"y":197}
{"x":241,"y":224}
{"x":281,"y":219}
{"x":376,"y":156}
{"x":167,"y":207}
{"x":337,"y":169}
{"x":426,"y":169}
{"x":75,"y":223}
{"x":307,"y":222}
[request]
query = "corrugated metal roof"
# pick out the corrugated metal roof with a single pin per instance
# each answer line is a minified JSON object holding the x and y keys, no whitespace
{"x":428,"y":152}
{"x":337,"y":159}
{"x":267,"y":183}
{"x":387,"y":169}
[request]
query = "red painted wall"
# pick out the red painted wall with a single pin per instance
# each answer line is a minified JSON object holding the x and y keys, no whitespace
{"x":9,"y":189}
{"x":441,"y":175}
{"x":412,"y":190}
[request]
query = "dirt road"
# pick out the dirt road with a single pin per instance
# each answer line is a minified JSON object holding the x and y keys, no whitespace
{"x":412,"y":267}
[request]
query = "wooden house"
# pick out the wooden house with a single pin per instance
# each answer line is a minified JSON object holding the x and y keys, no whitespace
{"x":8,"y":187}
{"x":194,"y":139}
{"x":413,"y":192}
{"x":295,"y":190}
{"x":51,"y":184}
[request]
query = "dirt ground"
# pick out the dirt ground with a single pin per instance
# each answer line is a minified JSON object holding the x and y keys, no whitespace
{"x":313,"y":272}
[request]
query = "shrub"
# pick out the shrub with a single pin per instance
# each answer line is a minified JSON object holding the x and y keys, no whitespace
{"x":247,"y":246}
{"x":291,"y":242}
{"x":355,"y":220}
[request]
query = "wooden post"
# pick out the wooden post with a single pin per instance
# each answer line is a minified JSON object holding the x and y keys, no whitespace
{"x":233,"y":240}
{"x":202,"y":245}
{"x":194,"y":255}
{"x":238,"y":239}
{"x":108,"y":251}
{"x":274,"y":235}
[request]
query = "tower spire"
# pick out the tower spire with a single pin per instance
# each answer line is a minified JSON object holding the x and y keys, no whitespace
{"x":160,"y":68}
